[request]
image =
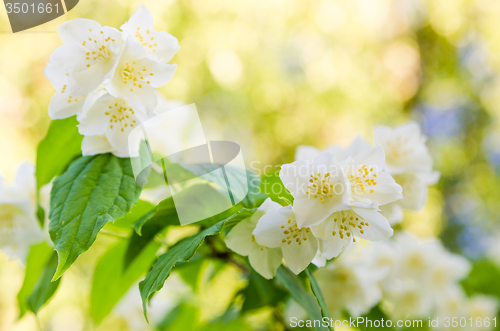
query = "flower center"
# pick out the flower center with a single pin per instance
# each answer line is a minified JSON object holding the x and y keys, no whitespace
{"x":131,"y":74}
{"x":99,"y":48}
{"x":8,"y":213}
{"x":346,"y":222}
{"x":320,"y":187}
{"x":292,"y":233}
{"x":363,"y":178}
{"x":120,"y":115}
{"x":397,"y":150}
{"x":146,"y":40}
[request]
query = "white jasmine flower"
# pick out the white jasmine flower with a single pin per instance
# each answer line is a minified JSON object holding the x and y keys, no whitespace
{"x":482,"y":307}
{"x":64,"y":103}
{"x":404,"y":147}
{"x":19,"y":226}
{"x":409,"y":161}
{"x":452,"y":302}
{"x":319,"y":188}
{"x":339,"y":209}
{"x":88,"y":54}
{"x":279,"y":229}
{"x":358,"y":145}
{"x":393,"y":212}
{"x":446,"y":268}
{"x":422,"y":272}
{"x":106,"y":122}
{"x":363,"y":165}
{"x":368,"y":182}
{"x":368,"y":187}
{"x":341,"y":228}
{"x":99,"y":144}
{"x":407,"y":299}
{"x":350,"y":284}
{"x":415,"y":257}
{"x":415,"y":188}
{"x":240,"y":239}
{"x":135,"y":77}
{"x":160,"y":44}
{"x":455,"y":303}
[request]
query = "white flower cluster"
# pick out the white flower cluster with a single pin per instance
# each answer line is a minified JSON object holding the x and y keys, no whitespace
{"x":339,"y":194}
{"x":108,"y":78}
{"x":407,"y":159}
{"x":413,"y":278}
{"x":19,"y":226}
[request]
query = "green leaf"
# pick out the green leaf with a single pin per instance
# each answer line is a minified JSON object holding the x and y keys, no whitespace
{"x":272,"y":186}
{"x":148,"y":226}
{"x":318,"y":294}
{"x":40,"y":215}
{"x":261,"y":292}
{"x":184,"y":317}
{"x":181,"y":252}
{"x":164,"y":214}
{"x":191,"y":272}
{"x":140,"y":209}
{"x":92,"y":192}
{"x":307,"y":301}
{"x":483,"y":278}
{"x":44,"y":288}
{"x":112,"y":280}
{"x":37,"y":258}
{"x":60,"y":146}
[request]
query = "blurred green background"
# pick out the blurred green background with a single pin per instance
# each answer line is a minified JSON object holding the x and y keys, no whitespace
{"x":273,"y":74}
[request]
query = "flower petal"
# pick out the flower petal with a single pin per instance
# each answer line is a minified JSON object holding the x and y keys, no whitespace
{"x":118,"y":138}
{"x":93,"y":120}
{"x":393,"y":212}
{"x":268,"y":231}
{"x":357,"y":146}
{"x":67,"y":58}
{"x":305,"y":153}
{"x":414,"y":189}
{"x":162,"y":72}
{"x":92,"y":145}
{"x":86,"y":81}
{"x":332,"y":248}
{"x":62,"y":107}
{"x":267,"y":206}
{"x":159,"y":43}
{"x":240,"y":238}
{"x":167,"y":46}
{"x":298,"y":257}
{"x":386,"y":190}
{"x":379,"y":227}
{"x":372,"y":158}
{"x":310,"y":212}
{"x":265,"y":260}
{"x":75,"y":31}
{"x":382,"y":134}
{"x":295,"y":177}
{"x":140,"y":18}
